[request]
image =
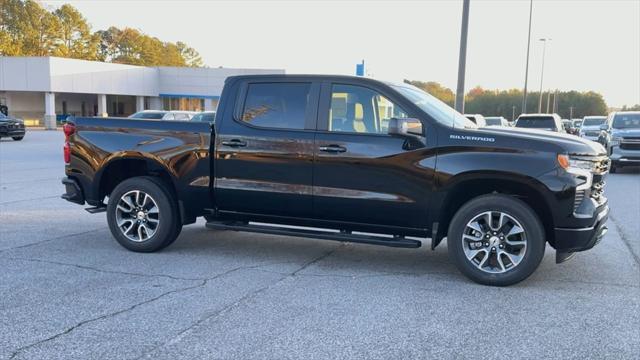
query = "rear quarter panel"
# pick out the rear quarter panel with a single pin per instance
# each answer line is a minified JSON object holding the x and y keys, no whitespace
{"x":179,"y":148}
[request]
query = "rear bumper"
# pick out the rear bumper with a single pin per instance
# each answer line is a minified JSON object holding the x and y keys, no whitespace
{"x":570,"y":240}
{"x":73,"y":191}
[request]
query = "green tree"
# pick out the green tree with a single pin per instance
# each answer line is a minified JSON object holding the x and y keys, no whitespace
{"x":41,"y":30}
{"x":191,"y":57}
{"x":77,"y":40}
{"x":433,"y":88}
{"x":28,"y":29}
{"x":635,"y":107}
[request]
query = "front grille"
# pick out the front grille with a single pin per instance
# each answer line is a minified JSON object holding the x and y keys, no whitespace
{"x":591,"y":133}
{"x":596,"y":191}
{"x":602,"y":165}
{"x":578,"y":199}
{"x":628,"y":145}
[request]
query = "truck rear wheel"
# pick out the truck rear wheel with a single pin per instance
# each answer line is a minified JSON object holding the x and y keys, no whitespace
{"x":142,"y":215}
{"x":496,"y":240}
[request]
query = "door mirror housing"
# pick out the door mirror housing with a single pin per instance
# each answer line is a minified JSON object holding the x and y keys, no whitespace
{"x":604,"y":127}
{"x":406,"y":128}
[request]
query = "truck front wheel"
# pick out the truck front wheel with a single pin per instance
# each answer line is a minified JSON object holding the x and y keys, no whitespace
{"x":142,"y":215}
{"x":496,"y":240}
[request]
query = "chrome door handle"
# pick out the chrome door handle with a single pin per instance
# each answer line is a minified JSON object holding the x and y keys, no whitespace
{"x":234,"y":143}
{"x":333,"y":149}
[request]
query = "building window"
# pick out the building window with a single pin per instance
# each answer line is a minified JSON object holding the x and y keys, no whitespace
{"x":64,"y":108}
{"x":183,"y":103}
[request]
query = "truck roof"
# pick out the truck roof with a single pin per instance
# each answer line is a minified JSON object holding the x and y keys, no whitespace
{"x":315,"y":77}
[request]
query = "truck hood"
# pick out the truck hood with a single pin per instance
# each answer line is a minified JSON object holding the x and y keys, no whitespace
{"x":590,"y":128}
{"x":570,"y":144}
{"x":625,"y":132}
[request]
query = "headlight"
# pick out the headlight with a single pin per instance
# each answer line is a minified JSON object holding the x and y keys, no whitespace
{"x":615,"y":140}
{"x":583,"y":169}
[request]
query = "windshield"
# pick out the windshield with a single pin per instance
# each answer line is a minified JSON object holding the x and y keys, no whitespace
{"x":147,"y":115}
{"x":626,"y":121}
{"x":493,"y":121}
{"x":438,"y":110}
{"x":593,"y":121}
{"x":536,"y":122}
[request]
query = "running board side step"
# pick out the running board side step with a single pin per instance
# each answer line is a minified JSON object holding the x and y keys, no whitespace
{"x":96,"y":209}
{"x":400,"y":242}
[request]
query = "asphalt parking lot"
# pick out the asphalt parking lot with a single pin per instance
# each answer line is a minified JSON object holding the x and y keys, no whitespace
{"x":68,"y":290}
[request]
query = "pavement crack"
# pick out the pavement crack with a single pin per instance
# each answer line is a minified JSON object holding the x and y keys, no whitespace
{"x":47,"y":240}
{"x":91,"y":268}
{"x":202,"y":283}
{"x":625,"y":240}
{"x":25,"y":200}
{"x":181,"y":334}
{"x":18,"y":351}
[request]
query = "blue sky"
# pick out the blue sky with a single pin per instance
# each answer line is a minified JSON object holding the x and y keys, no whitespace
{"x":595,"y":46}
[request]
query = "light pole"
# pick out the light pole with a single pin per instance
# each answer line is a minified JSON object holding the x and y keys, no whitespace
{"x":463,"y":57}
{"x":544,"y":48}
{"x":526,"y":70}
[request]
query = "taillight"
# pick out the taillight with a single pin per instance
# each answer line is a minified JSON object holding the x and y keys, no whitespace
{"x":67,"y":153}
{"x":68,"y":129}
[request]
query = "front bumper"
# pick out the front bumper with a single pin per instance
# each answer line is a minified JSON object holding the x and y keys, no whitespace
{"x":570,"y":240}
{"x":624,"y":156}
{"x":11,"y":131}
{"x":73,"y":191}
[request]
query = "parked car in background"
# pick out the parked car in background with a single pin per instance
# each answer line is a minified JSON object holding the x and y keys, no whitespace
{"x":568,"y":127}
{"x":620,"y":134}
{"x":477,"y":119}
{"x":163,"y":115}
{"x":577,"y":123}
{"x":11,"y":127}
{"x":550,"y":122}
{"x":496,"y":121}
{"x":205,"y":116}
{"x":590,"y":128}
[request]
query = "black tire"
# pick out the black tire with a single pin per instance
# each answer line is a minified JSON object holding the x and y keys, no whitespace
{"x":209,"y":217}
{"x":17,"y":138}
{"x":169,"y":224}
{"x":613,"y":169}
{"x":520,"y":211}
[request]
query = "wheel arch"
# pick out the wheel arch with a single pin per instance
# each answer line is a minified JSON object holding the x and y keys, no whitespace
{"x":465,"y":187}
{"x":118,"y":168}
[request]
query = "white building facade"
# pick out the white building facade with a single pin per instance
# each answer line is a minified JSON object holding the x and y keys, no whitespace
{"x":41,"y":90}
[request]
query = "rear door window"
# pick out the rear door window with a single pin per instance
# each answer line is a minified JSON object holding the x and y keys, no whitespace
{"x":276,"y":105}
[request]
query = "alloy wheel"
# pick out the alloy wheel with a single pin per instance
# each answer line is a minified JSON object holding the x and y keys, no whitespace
{"x":137,"y":215}
{"x":494,"y":242}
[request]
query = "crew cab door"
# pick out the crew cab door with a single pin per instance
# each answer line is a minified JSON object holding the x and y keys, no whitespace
{"x":264,"y":149}
{"x":362,"y":174}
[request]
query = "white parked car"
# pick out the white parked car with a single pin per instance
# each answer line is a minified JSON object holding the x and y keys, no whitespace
{"x":590,"y":128}
{"x":163,"y":115}
{"x":477,"y":119}
{"x":549,"y":122}
{"x":496,"y":121}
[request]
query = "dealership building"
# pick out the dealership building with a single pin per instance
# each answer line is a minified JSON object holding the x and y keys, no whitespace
{"x":43,"y":89}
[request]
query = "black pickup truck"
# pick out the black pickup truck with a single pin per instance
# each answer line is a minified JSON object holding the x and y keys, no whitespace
{"x":349,"y":159}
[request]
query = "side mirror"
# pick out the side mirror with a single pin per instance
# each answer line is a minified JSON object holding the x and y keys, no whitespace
{"x":406,"y":128}
{"x":604,"y":127}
